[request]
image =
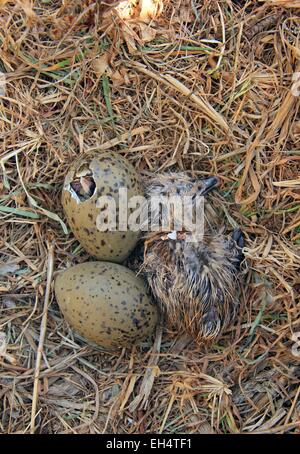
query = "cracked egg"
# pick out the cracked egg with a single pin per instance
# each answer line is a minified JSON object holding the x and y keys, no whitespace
{"x":90,"y":177}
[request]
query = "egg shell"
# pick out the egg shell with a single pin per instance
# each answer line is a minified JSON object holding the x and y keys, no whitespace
{"x":106,"y":303}
{"x":110,"y":172}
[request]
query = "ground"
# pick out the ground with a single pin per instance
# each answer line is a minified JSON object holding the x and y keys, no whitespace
{"x":201,"y":86}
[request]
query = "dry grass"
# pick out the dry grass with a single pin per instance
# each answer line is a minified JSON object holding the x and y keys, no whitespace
{"x":205,"y":86}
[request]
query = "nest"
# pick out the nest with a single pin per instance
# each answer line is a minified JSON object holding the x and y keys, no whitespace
{"x":204,"y":87}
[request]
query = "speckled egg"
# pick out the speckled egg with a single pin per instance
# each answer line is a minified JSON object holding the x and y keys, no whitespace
{"x":94,"y":175}
{"x":106,"y":303}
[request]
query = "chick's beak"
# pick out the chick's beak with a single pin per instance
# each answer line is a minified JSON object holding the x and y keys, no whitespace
{"x":208,"y":184}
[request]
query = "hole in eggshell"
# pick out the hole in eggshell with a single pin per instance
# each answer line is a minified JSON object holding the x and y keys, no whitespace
{"x":83,"y":185}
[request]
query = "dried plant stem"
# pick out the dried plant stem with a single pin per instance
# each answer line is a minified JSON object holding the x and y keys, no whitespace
{"x":42,"y":338}
{"x":170,"y":81}
{"x":122,"y":138}
{"x":152,"y":371}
